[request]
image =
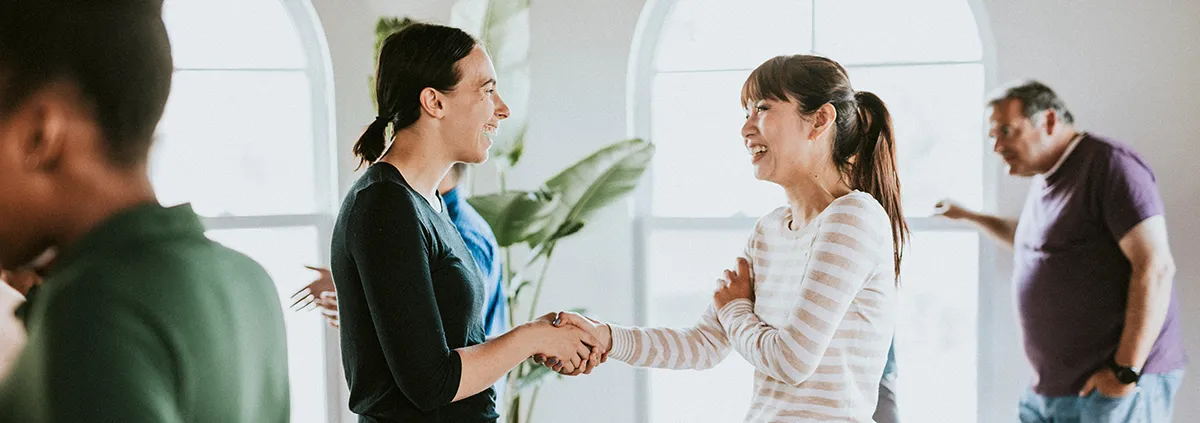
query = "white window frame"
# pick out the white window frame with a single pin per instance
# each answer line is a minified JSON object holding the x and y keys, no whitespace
{"x":641,"y":71}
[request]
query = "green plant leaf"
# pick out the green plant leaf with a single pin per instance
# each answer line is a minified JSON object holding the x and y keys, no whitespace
{"x":384,"y":27}
{"x":534,"y":378}
{"x":515,"y":215}
{"x":514,"y":293}
{"x":503,"y":28}
{"x":593,"y":183}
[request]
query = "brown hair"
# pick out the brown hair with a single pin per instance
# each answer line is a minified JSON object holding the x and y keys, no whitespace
{"x":864,"y":145}
{"x":417,"y":57}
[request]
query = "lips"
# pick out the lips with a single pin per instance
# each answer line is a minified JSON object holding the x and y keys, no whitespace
{"x":757,"y":151}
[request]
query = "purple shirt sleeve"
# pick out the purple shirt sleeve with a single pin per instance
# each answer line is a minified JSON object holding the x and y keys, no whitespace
{"x":1129,"y":195}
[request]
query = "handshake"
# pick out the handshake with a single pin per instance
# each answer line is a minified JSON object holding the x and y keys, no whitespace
{"x":565,"y":342}
{"x":569,"y":343}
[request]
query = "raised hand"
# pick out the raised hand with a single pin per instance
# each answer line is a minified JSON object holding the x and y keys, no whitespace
{"x":949,"y":209}
{"x":735,"y":285}
{"x":310,"y":294}
{"x":329,"y":307}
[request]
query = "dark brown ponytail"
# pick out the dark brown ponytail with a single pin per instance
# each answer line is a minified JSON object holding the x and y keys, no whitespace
{"x":864,"y":148}
{"x":417,"y":57}
{"x":873,"y":168}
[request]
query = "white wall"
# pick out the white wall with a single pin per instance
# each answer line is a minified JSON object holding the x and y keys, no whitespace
{"x":1127,"y":69}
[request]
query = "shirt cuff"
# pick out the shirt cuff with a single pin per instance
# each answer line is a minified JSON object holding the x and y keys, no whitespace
{"x":623,"y":340}
{"x":733,"y":309}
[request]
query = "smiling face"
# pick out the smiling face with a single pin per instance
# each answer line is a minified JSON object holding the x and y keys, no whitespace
{"x":474,"y":109}
{"x":779,"y":140}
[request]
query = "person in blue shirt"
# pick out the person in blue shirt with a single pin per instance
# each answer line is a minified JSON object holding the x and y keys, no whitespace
{"x":479,"y":239}
{"x":482,"y":242}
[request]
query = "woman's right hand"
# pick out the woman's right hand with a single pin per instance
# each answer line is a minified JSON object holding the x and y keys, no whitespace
{"x":573,"y":349}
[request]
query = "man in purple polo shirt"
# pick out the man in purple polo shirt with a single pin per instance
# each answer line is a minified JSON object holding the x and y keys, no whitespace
{"x":1092,"y":268}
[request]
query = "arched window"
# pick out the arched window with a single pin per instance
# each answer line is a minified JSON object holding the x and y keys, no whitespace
{"x":246,"y":140}
{"x":924,"y":59}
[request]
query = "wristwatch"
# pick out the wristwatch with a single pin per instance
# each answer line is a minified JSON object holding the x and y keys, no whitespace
{"x":1125,"y":374}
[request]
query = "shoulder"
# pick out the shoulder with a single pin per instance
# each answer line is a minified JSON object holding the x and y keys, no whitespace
{"x":858,"y":209}
{"x":1114,"y":156}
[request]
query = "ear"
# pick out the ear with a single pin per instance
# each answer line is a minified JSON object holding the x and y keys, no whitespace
{"x":822,"y":120}
{"x":433,"y":103}
{"x":43,"y":125}
{"x":1050,"y":121}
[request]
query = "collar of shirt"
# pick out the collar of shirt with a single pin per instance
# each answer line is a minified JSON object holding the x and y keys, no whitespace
{"x":137,"y":224}
{"x":453,"y":202}
{"x":1061,"y":159}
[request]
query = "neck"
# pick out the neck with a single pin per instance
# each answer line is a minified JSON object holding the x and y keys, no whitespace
{"x":810,"y":195}
{"x":94,"y":201}
{"x":1058,"y":147}
{"x":423,"y":166}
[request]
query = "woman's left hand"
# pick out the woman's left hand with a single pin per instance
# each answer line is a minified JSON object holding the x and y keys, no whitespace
{"x":735,"y":285}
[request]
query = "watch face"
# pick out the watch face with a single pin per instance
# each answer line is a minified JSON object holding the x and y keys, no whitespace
{"x":1126,"y":376}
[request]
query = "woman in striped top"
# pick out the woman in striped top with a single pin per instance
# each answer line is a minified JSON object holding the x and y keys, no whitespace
{"x":812,"y":303}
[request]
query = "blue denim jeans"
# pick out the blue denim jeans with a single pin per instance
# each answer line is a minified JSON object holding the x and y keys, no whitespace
{"x":886,"y":410}
{"x":1152,"y":402}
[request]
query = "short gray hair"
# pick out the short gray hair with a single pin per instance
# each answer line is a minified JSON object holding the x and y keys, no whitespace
{"x":1035,"y":98}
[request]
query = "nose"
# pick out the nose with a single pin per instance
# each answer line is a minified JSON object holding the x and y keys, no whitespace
{"x":502,"y":110}
{"x":748,"y":129}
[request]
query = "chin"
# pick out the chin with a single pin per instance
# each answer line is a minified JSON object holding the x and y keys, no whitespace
{"x":762,"y":175}
{"x":476,"y":157}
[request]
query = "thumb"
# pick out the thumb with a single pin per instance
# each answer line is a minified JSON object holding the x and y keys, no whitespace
{"x":1088,"y":387}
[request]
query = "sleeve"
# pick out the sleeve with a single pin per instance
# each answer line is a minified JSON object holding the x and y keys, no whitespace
{"x":699,"y":347}
{"x":392,"y":249}
{"x":107,"y":362}
{"x":842,"y":259}
{"x":1128,"y":195}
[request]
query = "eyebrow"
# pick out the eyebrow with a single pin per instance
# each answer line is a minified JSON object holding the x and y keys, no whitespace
{"x":489,"y":81}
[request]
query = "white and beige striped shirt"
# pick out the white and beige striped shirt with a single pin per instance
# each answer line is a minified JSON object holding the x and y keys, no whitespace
{"x":819,"y":330}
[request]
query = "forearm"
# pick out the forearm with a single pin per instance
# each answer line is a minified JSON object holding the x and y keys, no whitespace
{"x":696,"y":348}
{"x":1145,"y":313}
{"x":782,"y":355}
{"x":1001,"y":229}
{"x":486,"y":363}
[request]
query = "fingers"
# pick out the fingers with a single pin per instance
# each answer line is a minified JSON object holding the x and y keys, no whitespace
{"x":328,"y":301}
{"x":586,"y":338}
{"x":575,"y":319}
{"x":539,"y":358}
{"x":743,"y":266}
{"x":730,"y":276}
{"x":1088,"y":387}
{"x":307,"y":300}
{"x":303,"y":290}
